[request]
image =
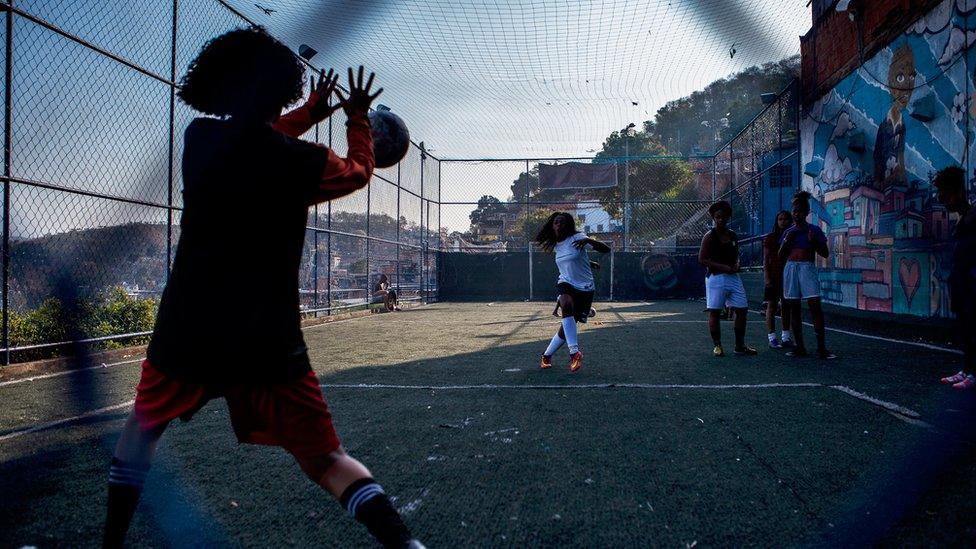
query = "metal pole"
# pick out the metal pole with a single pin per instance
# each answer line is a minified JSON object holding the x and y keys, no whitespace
{"x":399,"y":182}
{"x":796,"y":128}
{"x":369,"y":194}
{"x":626,"y":192}
{"x":315,"y":237}
{"x":528,"y":239}
{"x":7,"y":152}
{"x":779,"y":156}
{"x":328,"y":245}
{"x":611,"y":274}
{"x":172,"y":137}
{"x":423,"y":240}
{"x":440,"y":243}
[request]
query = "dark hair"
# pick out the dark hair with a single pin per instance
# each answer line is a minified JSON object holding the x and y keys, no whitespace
{"x":951,"y":179}
{"x":801,"y":198}
{"x":243,"y":71}
{"x":720,"y":206}
{"x":788,"y":214}
{"x":547,"y":238}
{"x":383,"y":278}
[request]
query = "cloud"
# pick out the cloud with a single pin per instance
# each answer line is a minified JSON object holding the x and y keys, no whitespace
{"x":844,"y":125}
{"x":835,"y":169}
{"x":935,"y":20}
{"x":958,"y":40}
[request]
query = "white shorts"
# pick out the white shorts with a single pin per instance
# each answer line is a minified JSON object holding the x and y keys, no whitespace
{"x":723,"y":290}
{"x":800,"y":280}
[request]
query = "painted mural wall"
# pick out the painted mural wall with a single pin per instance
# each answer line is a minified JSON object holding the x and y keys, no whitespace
{"x":869,"y":150}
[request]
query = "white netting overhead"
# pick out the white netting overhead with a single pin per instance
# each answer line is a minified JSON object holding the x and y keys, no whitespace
{"x":508,"y":78}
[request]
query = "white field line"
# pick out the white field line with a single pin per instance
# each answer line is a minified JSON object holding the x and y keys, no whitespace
{"x":52,"y":424}
{"x":881,"y":338}
{"x":567,"y":387}
{"x":68,"y":372}
{"x":877,"y":402}
{"x":889,"y":406}
{"x":101,"y":366}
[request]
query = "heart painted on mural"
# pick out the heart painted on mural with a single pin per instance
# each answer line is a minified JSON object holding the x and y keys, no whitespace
{"x":910,"y":273}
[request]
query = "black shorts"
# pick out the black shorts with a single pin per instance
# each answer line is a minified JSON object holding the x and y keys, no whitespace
{"x":774,"y":292}
{"x":582,"y":301}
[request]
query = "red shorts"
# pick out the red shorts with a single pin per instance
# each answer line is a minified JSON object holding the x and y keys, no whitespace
{"x":292,"y":415}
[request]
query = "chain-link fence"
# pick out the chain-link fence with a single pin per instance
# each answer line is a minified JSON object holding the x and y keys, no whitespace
{"x":653,"y":210}
{"x":91,"y":182}
{"x":91,"y":191}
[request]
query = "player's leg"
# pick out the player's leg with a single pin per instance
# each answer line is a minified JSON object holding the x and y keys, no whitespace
{"x":816,"y":313}
{"x":715,"y":330}
{"x":792,"y":293}
{"x":774,"y":342}
{"x":568,"y":307}
{"x":715,"y":305}
{"x":159,"y":400}
{"x":740,"y":305}
{"x":786,"y":337}
{"x":295,"y":416}
{"x":130,"y":464}
{"x":351,"y":483}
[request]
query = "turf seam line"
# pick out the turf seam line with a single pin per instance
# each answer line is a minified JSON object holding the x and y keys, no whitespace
{"x":58,"y":423}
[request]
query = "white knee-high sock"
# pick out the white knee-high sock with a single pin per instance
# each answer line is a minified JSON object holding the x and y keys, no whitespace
{"x":554,"y":345}
{"x":569,"y":329}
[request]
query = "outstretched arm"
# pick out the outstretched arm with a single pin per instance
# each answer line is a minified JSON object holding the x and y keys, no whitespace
{"x":596,"y":244}
{"x":344,"y":176}
{"x":298,"y":121}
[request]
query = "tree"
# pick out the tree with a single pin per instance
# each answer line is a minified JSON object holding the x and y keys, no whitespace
{"x":488,"y":208}
{"x":717,"y":113}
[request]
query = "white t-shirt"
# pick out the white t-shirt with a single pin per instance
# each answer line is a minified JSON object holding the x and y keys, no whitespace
{"x":573,"y":264}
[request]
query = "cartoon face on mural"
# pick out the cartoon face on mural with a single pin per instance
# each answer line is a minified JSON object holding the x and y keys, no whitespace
{"x":889,"y":146}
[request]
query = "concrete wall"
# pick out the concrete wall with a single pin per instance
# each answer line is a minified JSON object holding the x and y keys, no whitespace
{"x":869,"y":147}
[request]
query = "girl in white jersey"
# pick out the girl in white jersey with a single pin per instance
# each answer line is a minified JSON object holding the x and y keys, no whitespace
{"x":575,"y":284}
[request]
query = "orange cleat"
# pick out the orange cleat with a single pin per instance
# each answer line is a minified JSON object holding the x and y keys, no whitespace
{"x":546,"y":362}
{"x":576,"y":361}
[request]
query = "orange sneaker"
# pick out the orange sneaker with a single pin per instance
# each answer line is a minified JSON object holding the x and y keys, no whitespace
{"x":576,"y":361}
{"x":546,"y":362}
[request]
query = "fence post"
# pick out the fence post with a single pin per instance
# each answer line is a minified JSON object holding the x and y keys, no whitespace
{"x":423,"y":240}
{"x":369,"y":195}
{"x":440,"y":243}
{"x":399,"y":182}
{"x":172,"y":130}
{"x":315,"y":237}
{"x":7,"y":151}
{"x":328,"y":245}
{"x":528,"y":239}
{"x":611,"y":273}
